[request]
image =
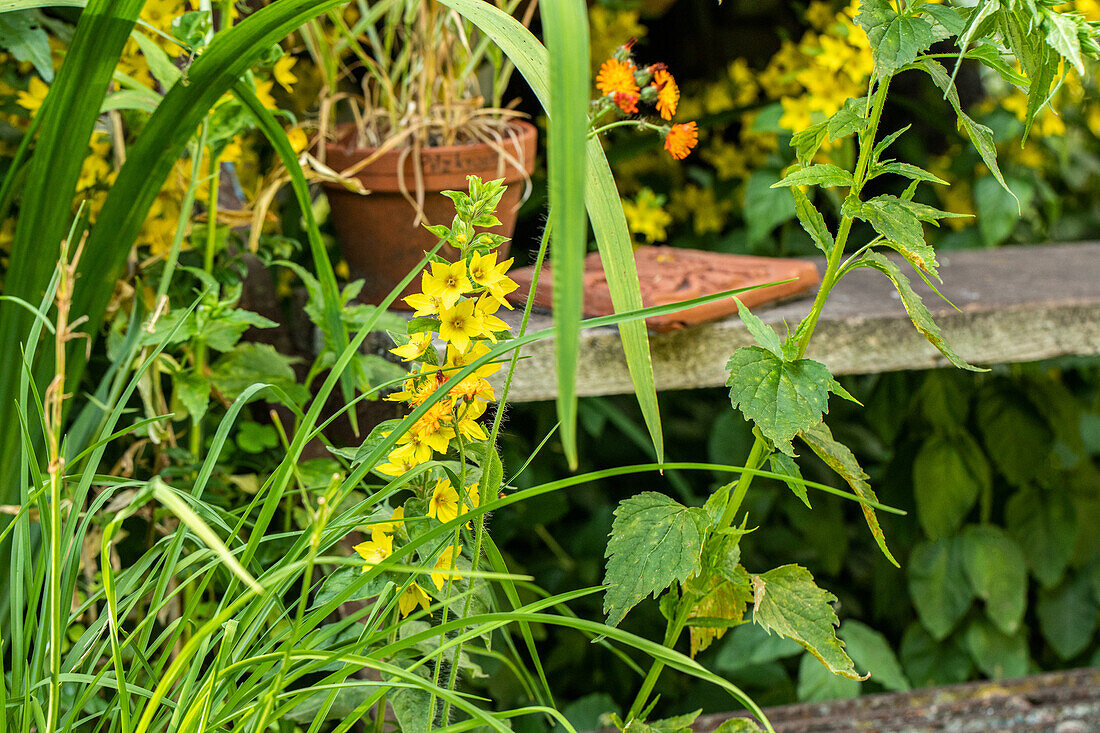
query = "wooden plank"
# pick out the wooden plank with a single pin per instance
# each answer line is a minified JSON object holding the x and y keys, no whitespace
{"x":1015,"y":304}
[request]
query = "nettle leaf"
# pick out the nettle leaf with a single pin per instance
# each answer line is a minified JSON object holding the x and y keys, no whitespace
{"x":807,"y":142}
{"x":783,"y":464}
{"x":812,"y":221}
{"x":192,"y":392}
{"x":780,"y":397}
{"x":896,"y":220}
{"x":952,"y":22}
{"x":787,"y":601}
{"x":980,"y":135}
{"x":677,"y":724}
{"x":654,"y":542}
{"x":997,"y":571}
{"x":870,"y":650}
{"x":849,"y":119}
{"x":914,"y":306}
{"x":722,"y":606}
{"x":910,"y":171}
{"x":838,"y":457}
{"x":224,"y":331}
{"x":251,"y":363}
{"x":761,"y":332}
{"x":822,"y":174}
{"x":949,"y":473}
{"x":1062,"y":37}
{"x":895,"y":39}
{"x":938,"y":585}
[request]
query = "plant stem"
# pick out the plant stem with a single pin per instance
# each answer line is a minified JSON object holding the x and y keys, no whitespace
{"x":207,"y":266}
{"x":672,"y":633}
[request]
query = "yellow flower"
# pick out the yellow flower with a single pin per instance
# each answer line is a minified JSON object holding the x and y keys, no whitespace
{"x":282,"y":73}
{"x":457,"y":360}
{"x":446,"y":282}
{"x":376,"y":550}
{"x":668,"y":94}
{"x":467,"y":424}
{"x":446,"y":563}
{"x":299,"y":141}
{"x":424,"y":305}
{"x":35,"y":95}
{"x":444,"y":504}
{"x":681,"y":139}
{"x":388,"y":528}
{"x":646,"y":218}
{"x":617,"y":77}
{"x":416,"y":346}
{"x":472,"y":388}
{"x":491,"y":325}
{"x":460,"y":324}
{"x":485,"y":272}
{"x":417,"y":444}
{"x":263,"y":93}
{"x":394,"y":466}
{"x":413,"y":596}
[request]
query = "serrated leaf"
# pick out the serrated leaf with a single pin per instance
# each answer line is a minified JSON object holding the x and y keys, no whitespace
{"x":838,"y":457}
{"x":895,"y":39}
{"x":910,"y":171}
{"x":780,"y":397}
{"x":807,"y":142}
{"x":738,"y":725}
{"x":788,"y":602}
{"x":192,"y":391}
{"x":677,"y":724}
{"x":980,"y":135}
{"x":1062,"y":37}
{"x":248,"y":364}
{"x":894,"y":219}
{"x":783,"y":464}
{"x":949,"y":473}
{"x":884,"y":143}
{"x":654,"y":542}
{"x":870,"y":650}
{"x":849,"y":119}
{"x":223,"y":333}
{"x":938,"y":585}
{"x":948,"y":17}
{"x":763,"y":334}
{"x":812,"y":221}
{"x":723,"y":606}
{"x":997,"y":571}
{"x":822,"y":174}
{"x":916,"y":309}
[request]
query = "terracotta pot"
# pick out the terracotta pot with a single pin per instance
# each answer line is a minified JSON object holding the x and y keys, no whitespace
{"x":376,"y":232}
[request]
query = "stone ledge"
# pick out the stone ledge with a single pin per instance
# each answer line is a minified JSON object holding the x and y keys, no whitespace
{"x":1015,"y":304}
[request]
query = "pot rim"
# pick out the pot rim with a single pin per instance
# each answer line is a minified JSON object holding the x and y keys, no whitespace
{"x":527,"y":131}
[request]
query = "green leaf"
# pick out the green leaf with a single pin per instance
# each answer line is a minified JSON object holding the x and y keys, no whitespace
{"x":1017,"y":438}
{"x":849,"y":119}
{"x":1067,"y":616}
{"x":748,"y":646}
{"x":160,"y":66}
{"x":783,"y":464}
{"x":916,"y":309}
{"x":812,"y":221}
{"x":765,"y":206}
{"x":997,"y":572}
{"x":838,"y":457}
{"x":27,"y":41}
{"x":807,"y":142}
{"x":938,"y":585}
{"x":896,"y":220}
{"x":588,"y":713}
{"x":816,"y":684}
{"x":780,"y":397}
{"x":910,"y":171}
{"x":253,"y":363}
{"x":738,"y":725}
{"x":677,"y":724}
{"x":763,"y":334}
{"x":895,"y":39}
{"x":654,"y":542}
{"x":953,"y":23}
{"x":822,"y":174}
{"x":998,"y":655}
{"x":999,"y":211}
{"x":928,"y":662}
{"x":348,"y":579}
{"x":788,"y":602}
{"x":980,"y":135}
{"x":1045,"y":525}
{"x":224,"y":331}
{"x":722,"y":605}
{"x":870,"y":650}
{"x":410,"y":707}
{"x":192,"y":392}
{"x":1062,"y":37}
{"x":949,"y":473}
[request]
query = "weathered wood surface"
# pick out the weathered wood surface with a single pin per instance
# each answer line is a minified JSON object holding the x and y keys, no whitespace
{"x":1015,"y":304}
{"x":1057,"y":702}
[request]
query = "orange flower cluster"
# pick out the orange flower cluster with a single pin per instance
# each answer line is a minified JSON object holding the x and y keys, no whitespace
{"x":624,"y":84}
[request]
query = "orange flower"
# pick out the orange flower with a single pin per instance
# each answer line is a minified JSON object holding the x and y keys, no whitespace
{"x":627,"y":102}
{"x":668,"y":94}
{"x":681,"y":139}
{"x":617,"y":77}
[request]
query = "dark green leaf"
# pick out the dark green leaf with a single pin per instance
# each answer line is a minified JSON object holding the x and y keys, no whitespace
{"x":1045,"y":525}
{"x":999,"y":211}
{"x":812,"y":221}
{"x":851,"y":118}
{"x":783,"y":464}
{"x":928,"y":662}
{"x":1017,"y":438}
{"x":949,"y":473}
{"x":822,"y":174}
{"x":780,"y":397}
{"x":870,"y":650}
{"x":749,"y":645}
{"x":916,"y":309}
{"x":910,"y":171}
{"x":997,"y":572}
{"x":896,"y":220}
{"x":788,"y":602}
{"x":27,"y":41}
{"x":998,"y":655}
{"x":588,"y":713}
{"x":895,"y":39}
{"x":807,"y":142}
{"x":817,"y":684}
{"x":251,"y":363}
{"x":654,"y":542}
{"x":1067,"y":616}
{"x":765,"y":207}
{"x":838,"y":457}
{"x":763,"y":334}
{"x":953,"y":23}
{"x":938,"y":586}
